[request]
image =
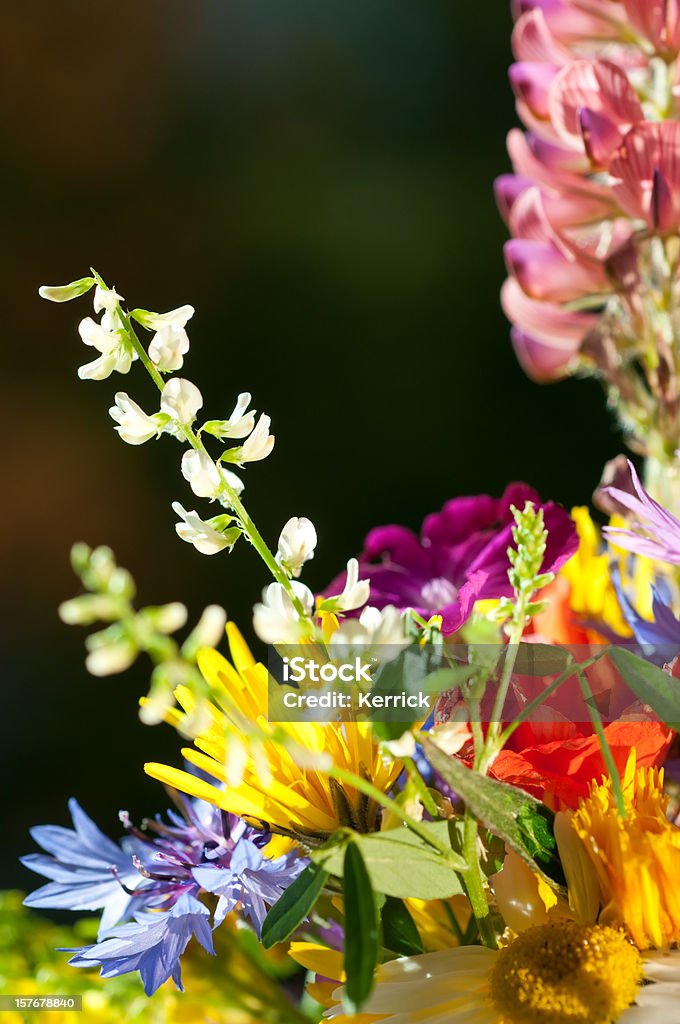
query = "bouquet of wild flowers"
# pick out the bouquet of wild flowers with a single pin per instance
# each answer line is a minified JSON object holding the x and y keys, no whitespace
{"x":441,"y":793}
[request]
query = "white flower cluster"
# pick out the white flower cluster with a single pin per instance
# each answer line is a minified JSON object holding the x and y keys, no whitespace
{"x":180,"y":402}
{"x":126,"y":632}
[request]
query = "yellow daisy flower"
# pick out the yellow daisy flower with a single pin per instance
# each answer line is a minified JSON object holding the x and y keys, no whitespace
{"x":636,"y":859}
{"x":283,"y":786}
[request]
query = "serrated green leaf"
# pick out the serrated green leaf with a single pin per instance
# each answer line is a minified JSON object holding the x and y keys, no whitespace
{"x":400,"y":934}
{"x":402,"y":864}
{"x":521,"y":821}
{"x":652,"y":685}
{"x":361,"y":930}
{"x":294,"y":906}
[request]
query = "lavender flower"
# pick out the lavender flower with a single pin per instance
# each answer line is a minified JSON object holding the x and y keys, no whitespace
{"x":88,"y":870}
{"x":155,"y":876}
{"x":660,"y":638}
{"x":655,"y":532}
{"x":152,"y":945}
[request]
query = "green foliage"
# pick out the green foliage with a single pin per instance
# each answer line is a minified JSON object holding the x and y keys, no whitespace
{"x":294,"y":906}
{"x":650,"y":684}
{"x":523,"y":823}
{"x":401,"y":863}
{"x":400,"y":934}
{"x":361,"y":929}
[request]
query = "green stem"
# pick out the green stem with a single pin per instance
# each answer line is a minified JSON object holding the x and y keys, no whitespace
{"x":596,"y":719}
{"x":371,"y":791}
{"x":227,"y":496}
{"x":418,"y":781}
{"x":526,"y":712}
{"x":474,"y":882}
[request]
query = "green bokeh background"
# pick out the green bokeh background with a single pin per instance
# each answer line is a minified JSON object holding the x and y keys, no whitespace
{"x":316,"y":178}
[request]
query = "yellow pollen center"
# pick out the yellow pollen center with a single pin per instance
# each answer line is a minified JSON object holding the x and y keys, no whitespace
{"x":566,"y":972}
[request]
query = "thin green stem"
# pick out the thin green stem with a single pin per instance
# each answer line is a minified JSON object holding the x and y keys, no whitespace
{"x":453,"y":921}
{"x":474,"y":882}
{"x":418,"y":781}
{"x":527,"y":711}
{"x":227,"y":496}
{"x":596,"y":719}
{"x":371,"y":791}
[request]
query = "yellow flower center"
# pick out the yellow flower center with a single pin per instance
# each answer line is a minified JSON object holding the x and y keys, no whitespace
{"x":566,"y":972}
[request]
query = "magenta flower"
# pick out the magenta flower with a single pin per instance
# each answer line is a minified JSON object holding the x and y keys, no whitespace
{"x":460,"y":556}
{"x":596,"y":175}
{"x":655,"y":532}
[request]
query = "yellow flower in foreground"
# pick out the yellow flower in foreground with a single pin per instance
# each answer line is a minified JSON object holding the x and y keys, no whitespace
{"x":636,"y":859}
{"x":283,"y":785}
{"x":562,"y":973}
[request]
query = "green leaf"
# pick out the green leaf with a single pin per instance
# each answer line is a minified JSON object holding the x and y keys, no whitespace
{"x":541,"y":660}
{"x":402,"y":864}
{"x":651,"y":684}
{"x":400,"y":934}
{"x":521,"y":821}
{"x":294,"y":906}
{"x":361,"y":930}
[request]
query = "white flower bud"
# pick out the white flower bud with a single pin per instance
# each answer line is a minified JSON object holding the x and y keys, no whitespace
{"x":116,"y":354}
{"x":275,"y":619}
{"x":170,"y":343}
{"x":296,"y":545}
{"x":108,"y":659}
{"x":181,"y":400}
{"x":405,"y":746}
{"x":240,"y":423}
{"x":355,"y":593}
{"x":65,"y":292}
{"x":168,"y":618}
{"x":133,"y":424}
{"x":259,"y":444}
{"x":205,"y":536}
{"x":106,"y":299}
{"x":96,"y":336}
{"x":208,"y":631}
{"x":201,"y":473}
{"x":98,"y":369}
{"x":205,"y":478}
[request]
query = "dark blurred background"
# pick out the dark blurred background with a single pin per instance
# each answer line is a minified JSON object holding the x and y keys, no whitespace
{"x":316,"y":179}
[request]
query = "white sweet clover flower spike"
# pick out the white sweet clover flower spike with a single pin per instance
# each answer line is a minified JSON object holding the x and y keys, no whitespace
{"x":132,"y":423}
{"x":275,"y":619}
{"x":240,"y":423}
{"x":115,"y":352}
{"x":181,"y":400}
{"x":170,"y":343}
{"x":209,"y":536}
{"x":296,"y":545}
{"x":205,"y":478}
